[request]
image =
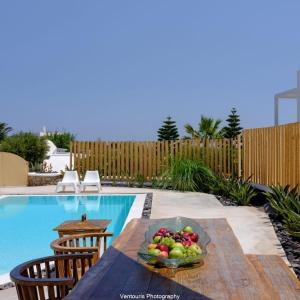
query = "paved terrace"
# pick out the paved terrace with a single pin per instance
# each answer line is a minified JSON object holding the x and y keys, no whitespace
{"x":251,"y":225}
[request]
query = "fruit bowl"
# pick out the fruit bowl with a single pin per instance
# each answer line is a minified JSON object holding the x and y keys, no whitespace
{"x":174,"y":242}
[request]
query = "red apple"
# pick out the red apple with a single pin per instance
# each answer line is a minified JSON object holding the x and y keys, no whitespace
{"x":164,"y":254}
{"x":186,"y":235}
{"x":163,"y":230}
{"x":163,"y":248}
{"x":194,"y":237}
{"x":187,"y":243}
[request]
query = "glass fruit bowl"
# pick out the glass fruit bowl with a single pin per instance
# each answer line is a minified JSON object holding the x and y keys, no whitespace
{"x":174,"y":225}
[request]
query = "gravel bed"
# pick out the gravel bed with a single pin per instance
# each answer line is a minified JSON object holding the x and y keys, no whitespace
{"x":147,"y":206}
{"x":290,"y":244}
{"x":225,"y":201}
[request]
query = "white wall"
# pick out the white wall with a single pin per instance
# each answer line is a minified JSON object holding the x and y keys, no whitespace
{"x":59,"y":161}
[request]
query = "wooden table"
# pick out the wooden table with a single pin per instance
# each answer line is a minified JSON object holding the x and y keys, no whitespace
{"x":226,"y":274}
{"x":79,"y":226}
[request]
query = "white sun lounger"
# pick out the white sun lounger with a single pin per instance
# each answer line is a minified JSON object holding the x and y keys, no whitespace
{"x":91,"y":178}
{"x":70,"y":179}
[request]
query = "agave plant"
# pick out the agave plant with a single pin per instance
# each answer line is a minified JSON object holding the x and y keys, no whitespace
{"x":235,"y":188}
{"x":242,"y":193}
{"x":286,"y":203}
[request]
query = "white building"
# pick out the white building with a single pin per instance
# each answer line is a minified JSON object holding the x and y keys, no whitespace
{"x":288,"y":95}
{"x":58,"y":159}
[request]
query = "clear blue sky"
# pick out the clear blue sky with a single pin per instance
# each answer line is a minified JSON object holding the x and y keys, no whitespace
{"x":115,"y":69}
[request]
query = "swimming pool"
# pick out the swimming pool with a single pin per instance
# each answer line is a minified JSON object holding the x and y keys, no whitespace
{"x":26,"y":222}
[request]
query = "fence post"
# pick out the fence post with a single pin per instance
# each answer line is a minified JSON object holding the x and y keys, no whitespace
{"x":71,"y":155}
{"x":239,"y":137}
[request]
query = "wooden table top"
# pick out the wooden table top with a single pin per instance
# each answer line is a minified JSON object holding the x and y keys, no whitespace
{"x":226,"y":274}
{"x":79,"y":225}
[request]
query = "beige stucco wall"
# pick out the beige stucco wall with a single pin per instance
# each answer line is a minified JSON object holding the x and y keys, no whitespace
{"x":13,"y":170}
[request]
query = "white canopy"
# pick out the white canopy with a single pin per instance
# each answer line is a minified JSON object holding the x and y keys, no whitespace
{"x":288,"y":94}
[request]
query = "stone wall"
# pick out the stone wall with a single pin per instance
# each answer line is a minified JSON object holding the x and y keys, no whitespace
{"x":39,"y":179}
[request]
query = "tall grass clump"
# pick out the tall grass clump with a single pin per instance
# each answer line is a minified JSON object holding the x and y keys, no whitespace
{"x":188,"y":175}
{"x":286,"y":203}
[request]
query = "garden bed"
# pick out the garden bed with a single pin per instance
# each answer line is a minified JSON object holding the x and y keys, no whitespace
{"x":290,"y":245}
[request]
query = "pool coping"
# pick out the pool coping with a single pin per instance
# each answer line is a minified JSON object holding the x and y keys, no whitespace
{"x":136,"y":211}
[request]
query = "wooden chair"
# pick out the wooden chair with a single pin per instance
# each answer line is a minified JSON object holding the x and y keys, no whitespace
{"x":95,"y":243}
{"x":49,"y":277}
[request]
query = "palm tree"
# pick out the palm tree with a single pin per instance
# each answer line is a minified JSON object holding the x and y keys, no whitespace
{"x":207,"y":128}
{"x":4,"y":130}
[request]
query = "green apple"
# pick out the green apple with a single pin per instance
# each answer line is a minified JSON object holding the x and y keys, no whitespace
{"x":154,"y":252}
{"x":196,"y":249}
{"x":156,"y":239}
{"x":178,"y":245}
{"x":176,"y":253}
{"x":188,"y":229}
{"x":168,"y":241}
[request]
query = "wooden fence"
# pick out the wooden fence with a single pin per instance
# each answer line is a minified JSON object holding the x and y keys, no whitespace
{"x":272,"y":155}
{"x":123,"y":160}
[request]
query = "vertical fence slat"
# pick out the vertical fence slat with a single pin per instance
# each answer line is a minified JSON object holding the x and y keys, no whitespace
{"x":131,"y":150}
{"x":105,"y":162}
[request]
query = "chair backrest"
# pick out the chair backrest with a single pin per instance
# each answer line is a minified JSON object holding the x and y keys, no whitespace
{"x":70,"y":176}
{"x":92,"y":176}
{"x":93,"y":242}
{"x":49,"y":277}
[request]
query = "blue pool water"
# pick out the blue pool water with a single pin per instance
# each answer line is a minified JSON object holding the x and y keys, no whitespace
{"x":26,"y":222}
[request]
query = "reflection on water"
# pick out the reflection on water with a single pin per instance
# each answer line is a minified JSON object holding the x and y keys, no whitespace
{"x":69,"y":203}
{"x":91,"y":203}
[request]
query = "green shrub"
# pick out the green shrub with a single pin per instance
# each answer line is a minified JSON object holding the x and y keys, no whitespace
{"x":27,"y":145}
{"x":156,"y":183}
{"x":61,"y":140}
{"x":224,"y":185}
{"x":130,"y":181}
{"x":188,"y":175}
{"x":140,"y":179}
{"x":286,"y":203}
